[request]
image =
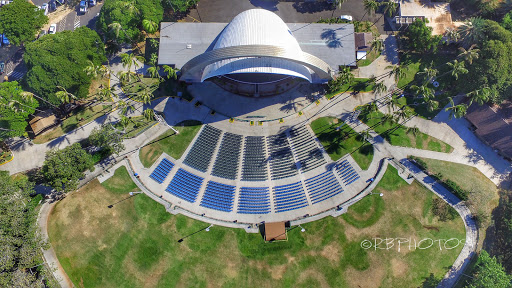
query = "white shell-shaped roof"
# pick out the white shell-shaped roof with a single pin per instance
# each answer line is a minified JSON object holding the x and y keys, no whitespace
{"x":258,"y":27}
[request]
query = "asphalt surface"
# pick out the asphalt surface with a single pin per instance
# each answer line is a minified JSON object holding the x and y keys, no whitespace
{"x":12,"y":55}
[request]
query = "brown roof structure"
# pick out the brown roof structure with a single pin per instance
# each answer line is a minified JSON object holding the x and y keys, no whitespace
{"x":493,"y":126}
{"x":43,"y":121}
{"x":363,"y":41}
{"x":275,"y":231}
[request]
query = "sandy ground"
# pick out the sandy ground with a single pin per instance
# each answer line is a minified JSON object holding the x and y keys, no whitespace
{"x":57,"y":16}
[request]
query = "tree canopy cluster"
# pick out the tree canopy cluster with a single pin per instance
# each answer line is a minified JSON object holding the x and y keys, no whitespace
{"x":488,"y":273}
{"x":419,"y":37}
{"x":20,"y":244}
{"x":180,"y":5}
{"x":15,"y":107}
{"x":493,"y":68}
{"x":60,"y":60}
{"x":20,"y":21}
{"x":121,"y":20}
{"x":62,"y":169}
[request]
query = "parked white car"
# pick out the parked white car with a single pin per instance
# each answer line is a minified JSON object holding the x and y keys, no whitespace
{"x":346,"y":17}
{"x":53,"y":29}
{"x":44,"y":7}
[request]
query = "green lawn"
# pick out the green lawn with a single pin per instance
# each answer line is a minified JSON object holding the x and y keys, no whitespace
{"x":397,"y":134}
{"x":168,"y":142}
{"x":358,"y":84}
{"x":135,"y":244}
{"x":137,"y":124}
{"x":338,"y":143}
{"x":120,"y":182}
{"x":73,"y":121}
{"x":369,"y":59}
{"x":416,"y":62}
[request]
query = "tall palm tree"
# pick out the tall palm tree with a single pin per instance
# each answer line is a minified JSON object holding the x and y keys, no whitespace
{"x":472,"y":31}
{"x":170,"y":71}
{"x":337,"y":5}
{"x":480,"y":96}
{"x":413,"y":130}
{"x":398,"y":71}
{"x":390,"y":7}
{"x":149,"y":114}
{"x":366,"y":135}
{"x":116,"y":27}
{"x":423,"y":91}
{"x":130,"y":6}
{"x":393,"y":103}
{"x":401,"y":114}
{"x":431,"y":104}
{"x":124,"y":107}
{"x":64,"y":96}
{"x":456,"y":110}
{"x":469,"y":54}
{"x":380,"y":88}
{"x":105,"y":93}
{"x":27,"y":95}
{"x":429,"y":73}
{"x":124,"y":121}
{"x":370,"y":6}
{"x":96,"y":70}
{"x":150,"y":26}
{"x":377,"y":45}
{"x":124,"y":76}
{"x":457,"y":68}
{"x":453,"y":35}
{"x":153,"y":72}
{"x":145,"y":97}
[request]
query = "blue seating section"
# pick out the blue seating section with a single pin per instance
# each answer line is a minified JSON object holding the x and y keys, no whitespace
{"x":346,"y":172}
{"x":161,"y":171}
{"x":218,"y":196}
{"x":282,"y":163}
{"x":323,"y":186}
{"x":305,"y":149}
{"x":185,"y":185}
{"x":254,"y":200}
{"x":289,"y":197}
{"x":201,"y":153}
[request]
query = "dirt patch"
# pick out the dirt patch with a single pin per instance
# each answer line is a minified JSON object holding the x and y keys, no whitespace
{"x":331,"y":252}
{"x":315,"y":275}
{"x":399,"y":268}
{"x":58,"y":15}
{"x":358,"y":279}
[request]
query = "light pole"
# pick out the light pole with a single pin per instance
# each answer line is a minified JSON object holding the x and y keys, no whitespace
{"x":380,"y":194}
{"x":207,"y":229}
{"x":132,"y":194}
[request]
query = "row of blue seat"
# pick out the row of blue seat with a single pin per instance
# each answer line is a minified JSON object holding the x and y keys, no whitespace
{"x":185,"y":185}
{"x":289,"y":197}
{"x":218,"y":196}
{"x":161,"y":171}
{"x":254,"y":200}
{"x":347,"y":173}
{"x":323,"y":187}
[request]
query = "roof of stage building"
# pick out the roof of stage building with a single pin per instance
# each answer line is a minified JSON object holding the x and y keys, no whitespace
{"x":181,"y":41}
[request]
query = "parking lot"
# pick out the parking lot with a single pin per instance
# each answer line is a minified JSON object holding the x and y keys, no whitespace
{"x":290,"y":12}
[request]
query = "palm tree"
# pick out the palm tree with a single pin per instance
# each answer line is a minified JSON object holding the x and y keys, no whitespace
{"x":124,"y":121}
{"x":453,"y":35}
{"x":149,"y":114}
{"x":150,"y":26}
{"x":480,"y":96}
{"x":170,"y":71}
{"x":365,"y":134}
{"x":400,"y":114}
{"x":456,"y":110}
{"x":387,"y":119}
{"x":116,"y":28}
{"x":431,"y":104}
{"x":96,"y":70}
{"x":377,"y":45}
{"x":64,"y":96}
{"x":393,"y":103}
{"x":337,"y":5}
{"x":145,"y":97}
{"x":380,"y":88}
{"x":423,"y":91}
{"x":370,"y":6}
{"x":124,"y":107}
{"x":106,"y":92}
{"x":390,"y":8}
{"x":153,"y":72}
{"x":130,"y":7}
{"x":429,"y":72}
{"x":469,"y":54}
{"x":398,"y":71}
{"x":413,"y":130}
{"x":124,"y":76}
{"x":457,"y":68}
{"x":472,"y":31}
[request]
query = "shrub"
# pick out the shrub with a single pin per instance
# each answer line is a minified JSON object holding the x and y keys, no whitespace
{"x":442,"y":210}
{"x":456,"y":189}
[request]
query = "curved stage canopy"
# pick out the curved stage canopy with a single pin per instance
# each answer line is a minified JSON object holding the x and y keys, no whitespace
{"x":257,"y":41}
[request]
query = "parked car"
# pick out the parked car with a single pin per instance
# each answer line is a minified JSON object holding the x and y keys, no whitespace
{"x":41,"y":34}
{"x":83,"y":7}
{"x":346,"y":17}
{"x":92,"y":3}
{"x":53,"y":29}
{"x":2,"y":67}
{"x":44,"y":7}
{"x":4,"y":39}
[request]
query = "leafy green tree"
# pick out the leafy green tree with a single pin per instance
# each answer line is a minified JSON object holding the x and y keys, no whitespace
{"x":489,"y":273}
{"x":20,"y":242}
{"x":107,"y":138}
{"x":62,"y":169}
{"x":149,"y":114}
{"x":457,"y":68}
{"x":457,"y":111}
{"x":15,"y":107}
{"x":419,"y":37}
{"x":398,"y":71}
{"x":150,"y":26}
{"x":180,"y":5}
{"x":390,"y":7}
{"x":60,"y":60}
{"x":20,"y":21}
{"x":380,"y":88}
{"x":473,"y":31}
{"x":507,"y":21}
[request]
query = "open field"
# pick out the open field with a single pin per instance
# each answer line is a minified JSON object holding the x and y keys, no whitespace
{"x":75,"y":120}
{"x":340,"y":142}
{"x":397,"y":134}
{"x":168,"y":142}
{"x":357,"y":85}
{"x":134,"y":244}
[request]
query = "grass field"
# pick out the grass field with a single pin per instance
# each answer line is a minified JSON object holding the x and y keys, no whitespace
{"x":483,"y":197}
{"x":75,"y":120}
{"x":135,"y":244}
{"x":397,"y":135}
{"x":168,"y":142}
{"x":135,"y":126}
{"x":340,"y":142}
{"x":358,"y":84}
